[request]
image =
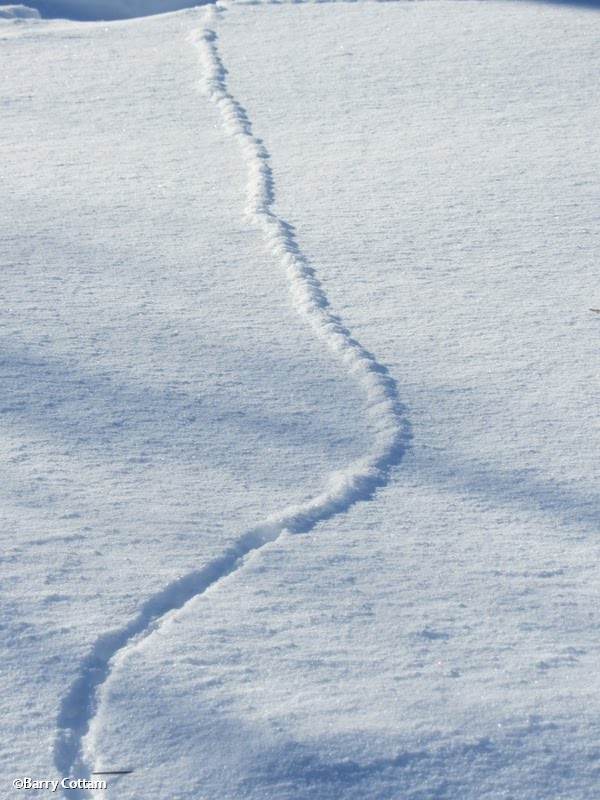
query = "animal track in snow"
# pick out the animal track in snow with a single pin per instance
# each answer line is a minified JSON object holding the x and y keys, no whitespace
{"x":345,"y":487}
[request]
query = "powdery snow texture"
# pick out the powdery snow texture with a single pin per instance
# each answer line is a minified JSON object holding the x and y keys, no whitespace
{"x":429,"y":169}
{"x":437,"y":163}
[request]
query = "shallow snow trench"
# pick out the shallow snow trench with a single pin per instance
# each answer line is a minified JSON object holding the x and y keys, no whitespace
{"x":74,"y":746}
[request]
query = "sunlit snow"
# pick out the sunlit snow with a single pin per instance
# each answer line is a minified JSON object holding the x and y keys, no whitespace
{"x":299,"y":398}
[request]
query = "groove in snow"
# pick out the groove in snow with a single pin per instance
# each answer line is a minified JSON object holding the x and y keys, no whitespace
{"x":344,"y":488}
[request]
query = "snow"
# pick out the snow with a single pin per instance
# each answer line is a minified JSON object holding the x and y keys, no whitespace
{"x":299,"y":402}
{"x":18,"y":12}
{"x":109,"y":9}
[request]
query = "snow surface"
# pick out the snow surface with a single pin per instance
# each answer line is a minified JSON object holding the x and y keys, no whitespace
{"x":18,"y":12}
{"x":109,"y":9}
{"x":188,"y":195}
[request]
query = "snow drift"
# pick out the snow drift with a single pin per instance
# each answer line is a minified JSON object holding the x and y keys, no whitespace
{"x":18,"y":12}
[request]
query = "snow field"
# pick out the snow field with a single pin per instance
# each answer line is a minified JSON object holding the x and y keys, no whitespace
{"x":439,"y":641}
{"x":346,"y":486}
{"x":147,"y":373}
{"x":429,"y":168}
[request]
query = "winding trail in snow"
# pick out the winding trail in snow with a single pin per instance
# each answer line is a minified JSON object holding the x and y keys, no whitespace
{"x":357,"y":482}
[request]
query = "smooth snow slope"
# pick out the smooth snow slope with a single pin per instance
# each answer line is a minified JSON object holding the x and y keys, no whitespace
{"x":438,"y":163}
